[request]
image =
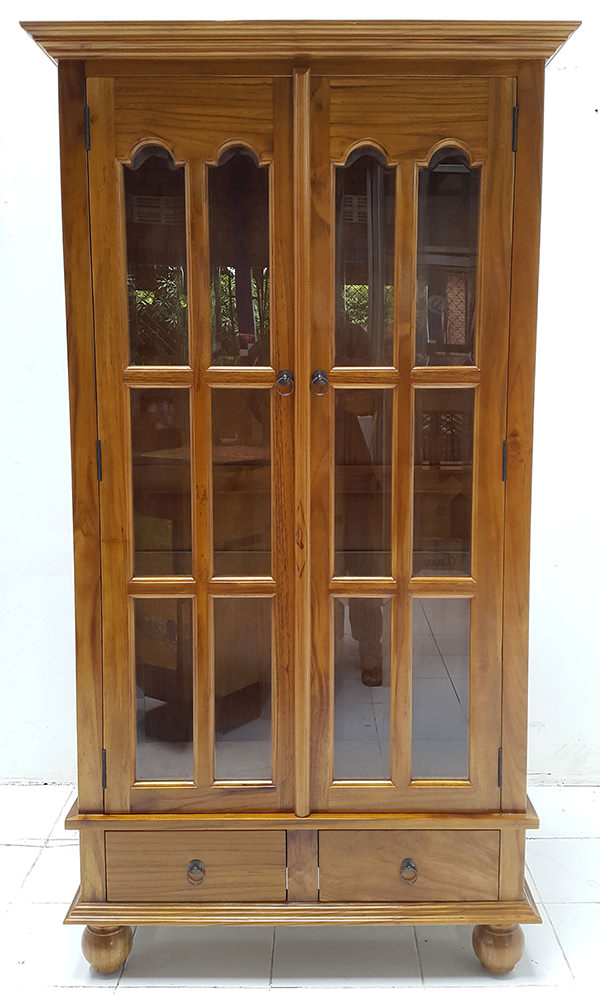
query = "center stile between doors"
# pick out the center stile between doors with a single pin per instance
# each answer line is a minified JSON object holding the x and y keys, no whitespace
{"x":301,"y":344}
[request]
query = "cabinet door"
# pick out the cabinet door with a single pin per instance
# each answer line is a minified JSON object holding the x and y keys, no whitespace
{"x":190,"y":187}
{"x":411,"y":228}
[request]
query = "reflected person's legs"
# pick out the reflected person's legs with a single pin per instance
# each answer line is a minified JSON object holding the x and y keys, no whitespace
{"x":366,"y":623}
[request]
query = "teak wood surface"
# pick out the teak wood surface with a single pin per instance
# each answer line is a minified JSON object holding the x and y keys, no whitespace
{"x":302,"y":96}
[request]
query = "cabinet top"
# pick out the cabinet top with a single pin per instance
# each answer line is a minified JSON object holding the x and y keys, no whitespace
{"x":300,"y":39}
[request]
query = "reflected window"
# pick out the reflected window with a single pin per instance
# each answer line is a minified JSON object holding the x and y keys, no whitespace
{"x":156,"y":259}
{"x":364,"y":260}
{"x":447,"y":260}
{"x":238,"y":204}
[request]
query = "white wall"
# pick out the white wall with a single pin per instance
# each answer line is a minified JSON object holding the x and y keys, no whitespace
{"x":36,"y":599}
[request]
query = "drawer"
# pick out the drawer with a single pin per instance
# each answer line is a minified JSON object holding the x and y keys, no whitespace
{"x":408,"y":865}
{"x":195,"y":866}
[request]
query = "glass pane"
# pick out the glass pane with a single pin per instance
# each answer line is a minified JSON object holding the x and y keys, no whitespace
{"x":164,"y":684}
{"x":243,"y":689}
{"x":363,"y":452}
{"x":443,"y":482}
{"x":242,"y":482}
{"x":156,"y":259}
{"x":362,"y":688}
{"x":364,"y":260}
{"x":238,"y":203}
{"x":440,"y":720}
{"x":447,"y":260}
{"x":160,"y":442}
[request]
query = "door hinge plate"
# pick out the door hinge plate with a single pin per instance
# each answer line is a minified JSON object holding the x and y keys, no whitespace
{"x":86,"y":127}
{"x":515,"y":125}
{"x":99,"y":459}
{"x":500,"y":767}
{"x":504,"y":459}
{"x":103,"y":769}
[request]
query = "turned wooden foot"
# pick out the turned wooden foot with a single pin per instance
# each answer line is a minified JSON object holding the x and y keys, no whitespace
{"x":106,"y":948}
{"x":499,"y":948}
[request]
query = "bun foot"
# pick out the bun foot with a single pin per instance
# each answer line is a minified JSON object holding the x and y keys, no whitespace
{"x":499,"y":948}
{"x":106,"y":948}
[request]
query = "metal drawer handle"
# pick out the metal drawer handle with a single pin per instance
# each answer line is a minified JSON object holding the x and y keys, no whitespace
{"x":195,"y":872}
{"x":319,"y":384}
{"x":285,"y":379}
{"x":408,"y":871}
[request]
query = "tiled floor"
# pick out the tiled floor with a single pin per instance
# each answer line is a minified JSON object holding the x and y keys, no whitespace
{"x":39,"y":874}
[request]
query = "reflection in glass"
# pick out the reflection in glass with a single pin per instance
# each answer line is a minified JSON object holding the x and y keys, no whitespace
{"x":164,"y":684}
{"x":160,"y":442}
{"x":364,"y":260}
{"x":242,"y":689}
{"x":241,"y":432}
{"x":440,"y":719}
{"x":447,"y":260}
{"x":443,"y":486}
{"x":363,"y":450}
{"x":362,"y":688}
{"x":238,"y":204}
{"x":156,"y":259}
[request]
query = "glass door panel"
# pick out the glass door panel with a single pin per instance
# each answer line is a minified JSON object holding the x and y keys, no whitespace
{"x":195,"y":441}
{"x":410,"y":258}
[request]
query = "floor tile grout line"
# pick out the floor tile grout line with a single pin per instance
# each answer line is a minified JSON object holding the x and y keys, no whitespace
{"x":272,"y":958}
{"x":418,"y":953}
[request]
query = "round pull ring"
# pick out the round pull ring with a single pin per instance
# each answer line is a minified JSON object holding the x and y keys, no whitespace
{"x":285,"y":379}
{"x":195,"y":872}
{"x":408,"y":871}
{"x":319,"y":384}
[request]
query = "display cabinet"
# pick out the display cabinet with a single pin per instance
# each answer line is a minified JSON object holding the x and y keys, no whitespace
{"x":301,"y":269}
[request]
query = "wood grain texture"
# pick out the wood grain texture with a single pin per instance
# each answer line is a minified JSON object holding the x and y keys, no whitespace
{"x":331,"y":913}
{"x":365,"y":866}
{"x":84,"y":433}
{"x":302,"y":863}
{"x":153,"y":867}
{"x":293,"y":39}
{"x":512,"y":864}
{"x":407,"y":117}
{"x":519,"y":433}
{"x":302,"y":439}
{"x":92,"y":861}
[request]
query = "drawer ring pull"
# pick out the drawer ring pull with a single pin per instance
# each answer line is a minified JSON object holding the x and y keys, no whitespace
{"x":195,"y":872}
{"x":408,"y":871}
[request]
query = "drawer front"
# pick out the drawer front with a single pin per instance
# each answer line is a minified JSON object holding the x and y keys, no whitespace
{"x":195,"y":866}
{"x":408,"y":865}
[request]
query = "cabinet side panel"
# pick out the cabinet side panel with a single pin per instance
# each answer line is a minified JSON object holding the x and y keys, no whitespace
{"x":82,"y":393}
{"x":519,"y":433}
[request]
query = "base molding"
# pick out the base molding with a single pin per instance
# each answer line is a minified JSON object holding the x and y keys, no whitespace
{"x":302,"y":914}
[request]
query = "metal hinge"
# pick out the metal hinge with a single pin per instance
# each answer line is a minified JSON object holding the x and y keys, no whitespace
{"x":103,"y":768}
{"x":99,"y":459}
{"x":504,"y":459}
{"x":515,"y":124}
{"x":86,"y":127}
{"x":500,"y":767}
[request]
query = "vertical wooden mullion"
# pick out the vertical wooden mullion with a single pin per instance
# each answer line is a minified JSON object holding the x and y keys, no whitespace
{"x":302,"y":298}
{"x":318,"y":412}
{"x":490,"y":415}
{"x":405,"y":272}
{"x":282,"y":443}
{"x":84,"y":433}
{"x":519,"y":433}
{"x":200,"y":343}
{"x":112,"y":419}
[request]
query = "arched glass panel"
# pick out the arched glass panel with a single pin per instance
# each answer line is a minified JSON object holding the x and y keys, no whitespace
{"x":156,"y":259}
{"x":364,"y":260}
{"x":238,"y":203}
{"x":447,"y":260}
